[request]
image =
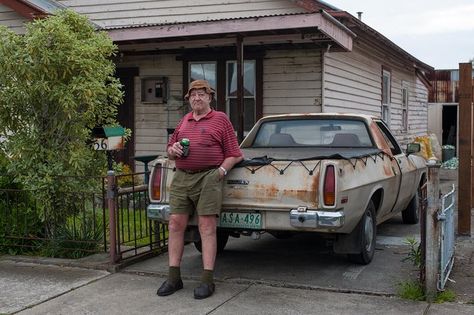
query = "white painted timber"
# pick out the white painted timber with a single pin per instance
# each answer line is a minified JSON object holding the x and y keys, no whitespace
{"x":152,"y":119}
{"x":292,"y":81}
{"x":435,"y":119}
{"x":353,"y":84}
{"x":12,"y":20}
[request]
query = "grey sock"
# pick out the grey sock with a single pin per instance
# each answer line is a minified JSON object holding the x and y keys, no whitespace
{"x":174,"y":274}
{"x":207,"y":276}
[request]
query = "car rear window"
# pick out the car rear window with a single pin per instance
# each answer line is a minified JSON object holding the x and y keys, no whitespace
{"x":313,"y":132}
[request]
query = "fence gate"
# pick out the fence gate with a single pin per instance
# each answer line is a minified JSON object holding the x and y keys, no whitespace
{"x":135,"y":235}
{"x":447,"y":237}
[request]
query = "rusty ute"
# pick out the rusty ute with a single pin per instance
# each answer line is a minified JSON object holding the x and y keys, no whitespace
{"x":339,"y":175}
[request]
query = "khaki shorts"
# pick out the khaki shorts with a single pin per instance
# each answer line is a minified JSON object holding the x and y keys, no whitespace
{"x":198,"y":192}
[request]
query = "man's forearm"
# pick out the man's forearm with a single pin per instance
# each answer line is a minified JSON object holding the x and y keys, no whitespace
{"x":229,"y":162}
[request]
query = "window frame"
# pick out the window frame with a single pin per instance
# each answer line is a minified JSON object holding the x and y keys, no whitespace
{"x":386,"y":96}
{"x":405,"y":100}
{"x":221,"y":56}
{"x":253,"y":97}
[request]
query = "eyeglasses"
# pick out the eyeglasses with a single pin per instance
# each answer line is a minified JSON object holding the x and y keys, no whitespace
{"x":198,"y":95}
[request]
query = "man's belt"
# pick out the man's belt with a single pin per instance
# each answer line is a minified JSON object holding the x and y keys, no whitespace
{"x":199,"y":171}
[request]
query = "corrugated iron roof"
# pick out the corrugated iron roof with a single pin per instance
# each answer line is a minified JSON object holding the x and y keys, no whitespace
{"x":114,"y":27}
{"x":47,"y":6}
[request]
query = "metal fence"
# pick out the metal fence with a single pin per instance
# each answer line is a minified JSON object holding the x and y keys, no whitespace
{"x":447,"y":237}
{"x":71,"y":226}
{"x":78,"y":223}
{"x":136,"y":235}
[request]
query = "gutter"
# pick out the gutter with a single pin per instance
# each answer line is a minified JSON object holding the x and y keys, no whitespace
{"x":337,"y":22}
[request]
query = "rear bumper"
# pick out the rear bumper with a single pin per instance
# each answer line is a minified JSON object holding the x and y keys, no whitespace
{"x":160,"y":212}
{"x":307,"y":220}
{"x":316,"y":219}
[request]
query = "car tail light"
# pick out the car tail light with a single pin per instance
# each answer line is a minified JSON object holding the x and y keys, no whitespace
{"x":329,"y":186}
{"x":156,"y":182}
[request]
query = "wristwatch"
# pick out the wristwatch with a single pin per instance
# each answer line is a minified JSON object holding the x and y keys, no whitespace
{"x":223,"y":169}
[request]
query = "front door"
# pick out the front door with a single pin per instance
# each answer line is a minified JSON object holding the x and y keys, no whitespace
{"x":126,"y":114}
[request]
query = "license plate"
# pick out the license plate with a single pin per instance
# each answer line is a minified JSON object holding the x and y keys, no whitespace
{"x":241,"y":220}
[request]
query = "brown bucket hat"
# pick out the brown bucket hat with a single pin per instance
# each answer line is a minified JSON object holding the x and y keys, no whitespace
{"x":200,"y":84}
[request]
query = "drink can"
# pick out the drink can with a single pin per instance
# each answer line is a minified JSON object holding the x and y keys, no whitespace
{"x":185,"y":144}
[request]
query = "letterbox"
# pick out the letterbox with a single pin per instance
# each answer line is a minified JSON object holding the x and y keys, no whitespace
{"x":108,"y":138}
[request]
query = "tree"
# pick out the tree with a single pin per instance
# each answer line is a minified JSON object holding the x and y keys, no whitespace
{"x":56,"y":83}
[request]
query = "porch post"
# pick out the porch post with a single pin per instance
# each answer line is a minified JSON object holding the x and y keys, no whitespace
{"x":465,"y":149}
{"x":240,"y":88}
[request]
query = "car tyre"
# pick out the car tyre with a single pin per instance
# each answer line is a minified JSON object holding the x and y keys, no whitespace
{"x":366,"y":235}
{"x":222,"y":238}
{"x":411,"y":215}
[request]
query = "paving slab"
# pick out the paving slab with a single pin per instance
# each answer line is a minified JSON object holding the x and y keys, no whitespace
{"x":134,"y":294}
{"x":270,"y":300}
{"x":26,"y":284}
{"x":450,"y":308}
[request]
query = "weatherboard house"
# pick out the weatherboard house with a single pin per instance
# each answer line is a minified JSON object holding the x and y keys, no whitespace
{"x":262,"y":57}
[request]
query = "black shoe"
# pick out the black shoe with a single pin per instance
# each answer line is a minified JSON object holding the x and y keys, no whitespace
{"x":204,"y":290}
{"x":168,"y":288}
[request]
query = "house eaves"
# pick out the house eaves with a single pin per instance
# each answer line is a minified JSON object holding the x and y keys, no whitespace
{"x":320,"y":21}
{"x":32,"y":9}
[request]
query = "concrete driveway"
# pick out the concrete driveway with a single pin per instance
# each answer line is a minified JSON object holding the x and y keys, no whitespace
{"x":302,"y":261}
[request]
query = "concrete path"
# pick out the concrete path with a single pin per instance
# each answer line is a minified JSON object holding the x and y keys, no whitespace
{"x":123,"y":293}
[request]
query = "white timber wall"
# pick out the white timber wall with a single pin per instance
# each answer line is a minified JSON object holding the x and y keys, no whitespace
{"x":292,"y":81}
{"x":435,"y":120}
{"x":353,"y":84}
{"x":152,"y":119}
{"x":12,"y":20}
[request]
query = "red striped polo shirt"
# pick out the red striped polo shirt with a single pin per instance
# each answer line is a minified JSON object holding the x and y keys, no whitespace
{"x":212,"y":139}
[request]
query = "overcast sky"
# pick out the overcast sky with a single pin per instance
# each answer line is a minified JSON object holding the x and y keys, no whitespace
{"x":437,"y":32}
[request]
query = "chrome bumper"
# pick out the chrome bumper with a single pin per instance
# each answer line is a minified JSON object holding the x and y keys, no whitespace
{"x":158,"y":212}
{"x":315,"y":219}
{"x":298,"y":218}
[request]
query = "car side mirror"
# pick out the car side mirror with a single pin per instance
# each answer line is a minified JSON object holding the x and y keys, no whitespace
{"x":413,"y":148}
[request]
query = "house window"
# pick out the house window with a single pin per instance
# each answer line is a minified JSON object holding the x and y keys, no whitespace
{"x":249,"y":94}
{"x":221,"y":72}
{"x":386,"y":96}
{"x":205,"y":70}
{"x":404,"y":108}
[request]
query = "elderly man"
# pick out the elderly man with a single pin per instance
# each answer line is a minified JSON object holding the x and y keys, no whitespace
{"x":197,"y":183}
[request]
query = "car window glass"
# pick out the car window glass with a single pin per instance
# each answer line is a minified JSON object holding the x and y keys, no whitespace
{"x":394,"y":147}
{"x":313,"y":132}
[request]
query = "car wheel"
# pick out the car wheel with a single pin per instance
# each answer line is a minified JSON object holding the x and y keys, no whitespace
{"x":366,"y":235}
{"x":411,"y":215}
{"x":222,"y":238}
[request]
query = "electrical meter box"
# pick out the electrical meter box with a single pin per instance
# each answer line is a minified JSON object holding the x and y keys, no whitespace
{"x":154,"y":89}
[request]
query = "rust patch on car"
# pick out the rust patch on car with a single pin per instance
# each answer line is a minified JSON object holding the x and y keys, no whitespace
{"x":387,"y":169}
{"x":315,"y":186}
{"x":379,"y":139}
{"x":300,"y":194}
{"x":264,"y":193}
{"x":235,"y":193}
